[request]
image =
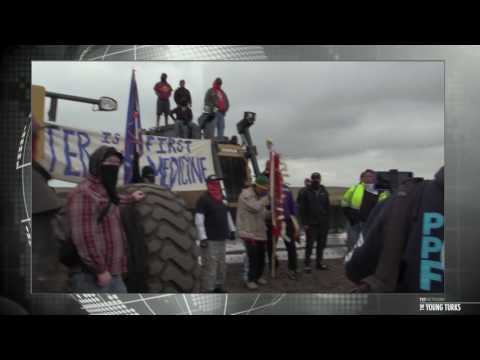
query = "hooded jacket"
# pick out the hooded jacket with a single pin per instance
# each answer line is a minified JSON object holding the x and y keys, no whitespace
{"x":211,"y":99}
{"x":95,"y":162}
{"x":403,"y":250}
{"x":96,"y":227}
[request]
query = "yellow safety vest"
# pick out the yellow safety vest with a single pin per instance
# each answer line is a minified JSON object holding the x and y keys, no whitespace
{"x":354,"y":195}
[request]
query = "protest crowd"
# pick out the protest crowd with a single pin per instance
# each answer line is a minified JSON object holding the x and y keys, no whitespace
{"x":394,"y":237}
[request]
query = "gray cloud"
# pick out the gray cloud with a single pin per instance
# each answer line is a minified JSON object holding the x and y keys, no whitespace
{"x":336,"y":117}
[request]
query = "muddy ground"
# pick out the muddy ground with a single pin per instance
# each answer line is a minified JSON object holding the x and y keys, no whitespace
{"x":319,"y":281}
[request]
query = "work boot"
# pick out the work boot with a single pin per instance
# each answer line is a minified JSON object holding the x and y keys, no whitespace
{"x":251,"y":285}
{"x":262,"y":281}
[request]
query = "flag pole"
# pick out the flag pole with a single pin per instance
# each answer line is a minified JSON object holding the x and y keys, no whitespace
{"x":272,"y":205}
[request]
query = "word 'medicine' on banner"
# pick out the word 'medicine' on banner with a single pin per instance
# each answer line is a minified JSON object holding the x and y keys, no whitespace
{"x":179,"y":164}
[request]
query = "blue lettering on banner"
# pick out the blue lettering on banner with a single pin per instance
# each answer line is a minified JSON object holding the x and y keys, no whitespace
{"x":82,"y":147}
{"x":174,"y":171}
{"x":53,"y":161}
{"x":148,"y":142}
{"x":116,"y":139}
{"x":106,"y":137}
{"x":68,"y":154}
{"x":165,"y":145}
{"x":431,"y":250}
{"x":184,"y":167}
{"x":161,"y":141}
{"x":187,"y":144}
{"x":199,"y":169}
{"x":204,"y":169}
{"x":171,"y":147}
{"x":180,"y":171}
{"x":166,"y":169}
{"x":180,"y":145}
{"x":163,"y":169}
{"x":189,"y":170}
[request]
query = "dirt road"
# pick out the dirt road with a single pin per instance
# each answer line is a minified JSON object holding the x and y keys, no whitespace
{"x":328,"y":281}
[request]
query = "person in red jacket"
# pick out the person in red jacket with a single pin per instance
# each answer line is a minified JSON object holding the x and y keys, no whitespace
{"x":217,"y":100}
{"x":163,"y":91}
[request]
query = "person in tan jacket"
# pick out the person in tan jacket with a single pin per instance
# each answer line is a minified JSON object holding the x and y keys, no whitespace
{"x":251,"y":216}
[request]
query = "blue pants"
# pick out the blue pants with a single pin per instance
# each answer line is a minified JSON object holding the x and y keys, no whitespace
{"x":83,"y":282}
{"x":220,"y":123}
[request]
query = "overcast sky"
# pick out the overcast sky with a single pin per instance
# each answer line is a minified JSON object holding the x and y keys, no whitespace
{"x":337,"y":118}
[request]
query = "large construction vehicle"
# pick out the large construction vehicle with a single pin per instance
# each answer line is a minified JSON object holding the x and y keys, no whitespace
{"x":163,"y":255}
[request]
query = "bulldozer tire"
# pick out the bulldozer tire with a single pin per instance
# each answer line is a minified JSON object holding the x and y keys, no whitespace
{"x":169,"y":236}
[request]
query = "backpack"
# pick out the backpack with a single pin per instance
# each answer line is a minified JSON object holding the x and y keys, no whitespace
{"x":67,"y":252}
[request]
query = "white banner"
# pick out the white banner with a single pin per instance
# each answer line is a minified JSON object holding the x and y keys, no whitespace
{"x":179,"y":164}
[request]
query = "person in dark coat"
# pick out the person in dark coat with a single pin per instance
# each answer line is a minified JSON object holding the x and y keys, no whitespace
{"x":402,"y":248}
{"x":314,"y":210}
{"x":182,"y":95}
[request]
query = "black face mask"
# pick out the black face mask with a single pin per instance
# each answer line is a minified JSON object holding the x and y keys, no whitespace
{"x":315,"y":184}
{"x":109,"y":177}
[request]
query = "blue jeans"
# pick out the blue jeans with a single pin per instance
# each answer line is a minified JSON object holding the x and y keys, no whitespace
{"x":220,"y":123}
{"x":83,"y":282}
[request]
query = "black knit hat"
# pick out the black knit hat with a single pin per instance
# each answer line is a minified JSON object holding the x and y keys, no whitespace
{"x":147,"y":171}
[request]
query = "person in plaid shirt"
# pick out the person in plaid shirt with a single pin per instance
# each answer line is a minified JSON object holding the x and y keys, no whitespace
{"x":96,"y":228}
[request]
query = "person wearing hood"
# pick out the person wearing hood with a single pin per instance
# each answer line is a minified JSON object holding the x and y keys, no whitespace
{"x":148,"y":175}
{"x":217,"y":100}
{"x":163,"y":90}
{"x":96,"y":227}
{"x":404,"y":251}
{"x":314,"y":210}
{"x":214,"y":226}
{"x":358,"y":202}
